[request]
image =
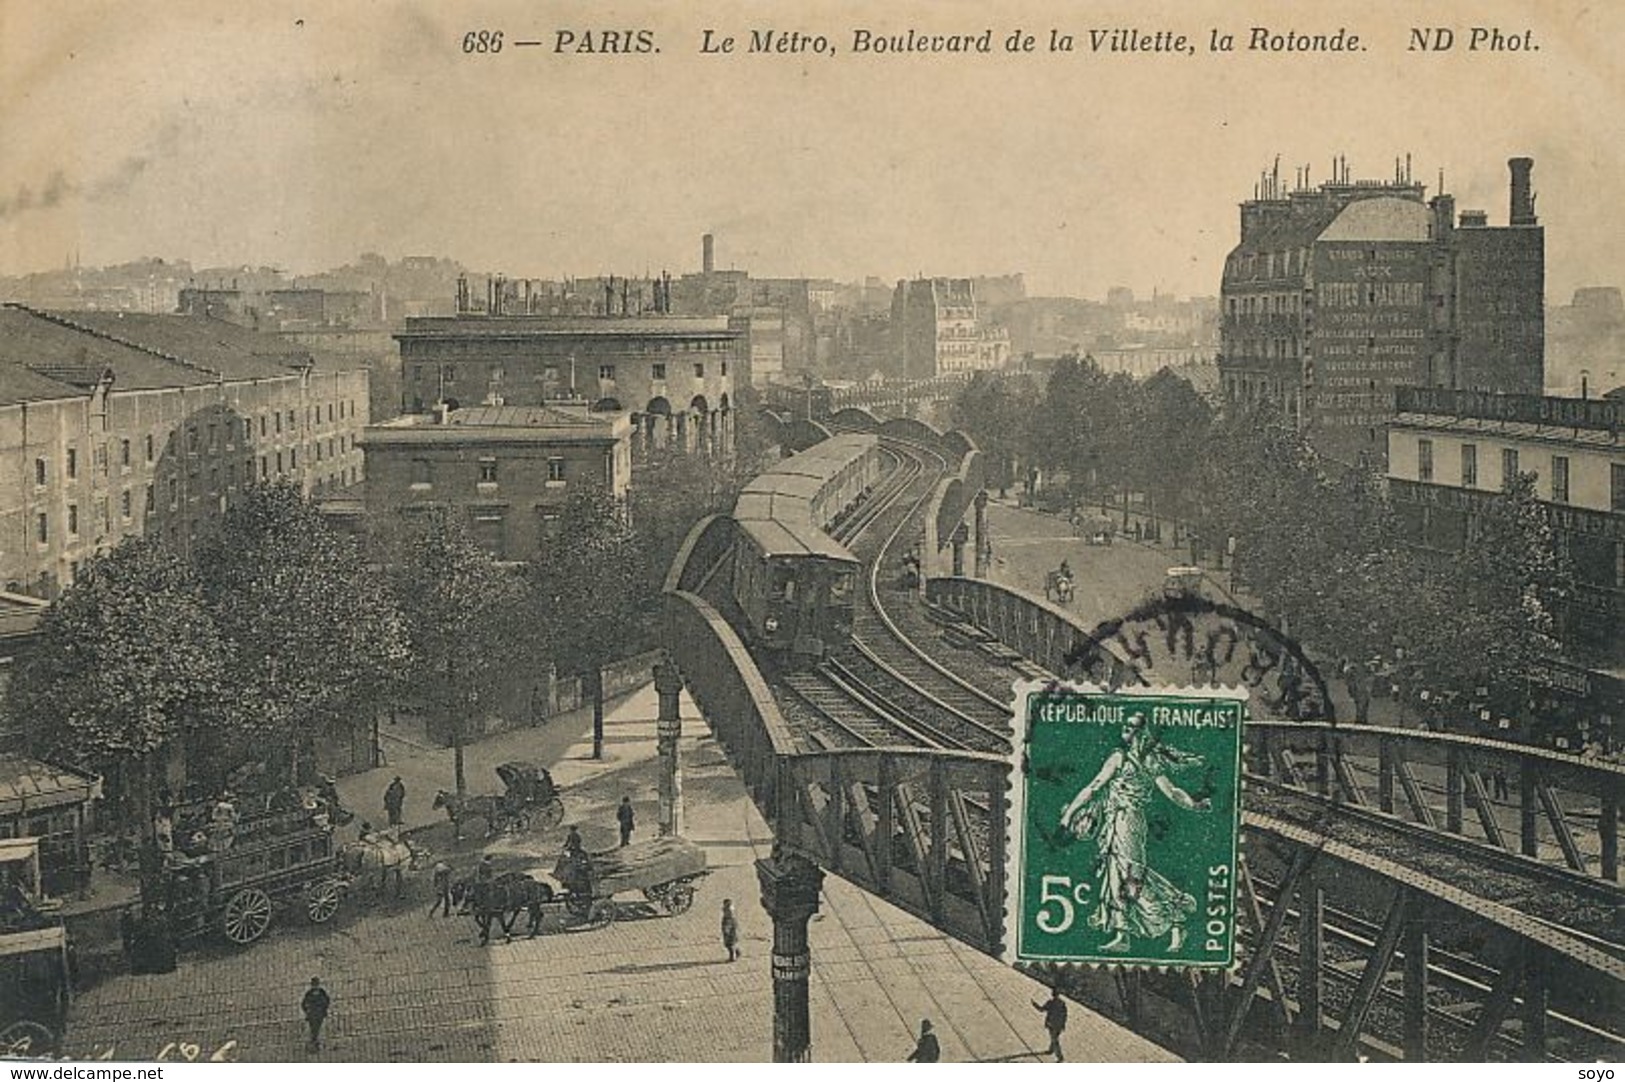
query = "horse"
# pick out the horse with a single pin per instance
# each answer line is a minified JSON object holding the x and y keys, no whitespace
{"x":384,"y":854}
{"x":501,"y":900}
{"x":1058,"y":586}
{"x":494,"y":810}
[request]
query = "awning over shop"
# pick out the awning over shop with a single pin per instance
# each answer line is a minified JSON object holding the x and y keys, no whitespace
{"x":28,"y":785}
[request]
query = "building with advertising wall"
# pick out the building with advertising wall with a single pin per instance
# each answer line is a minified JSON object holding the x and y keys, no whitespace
{"x":116,"y":425}
{"x":507,"y":470}
{"x":674,"y":375}
{"x":1450,"y":451}
{"x":1340,"y":293}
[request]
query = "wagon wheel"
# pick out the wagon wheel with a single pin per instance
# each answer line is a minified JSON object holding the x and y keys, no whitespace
{"x":26,"y":1038}
{"x":656,"y":893}
{"x":551,"y":814}
{"x":603,"y":912}
{"x":678,"y":897}
{"x":247,"y":915}
{"x":322,"y":899}
{"x":578,"y":907}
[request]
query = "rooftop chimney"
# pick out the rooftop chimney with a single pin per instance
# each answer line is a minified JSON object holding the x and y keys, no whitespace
{"x":1523,"y":198}
{"x":708,"y":262}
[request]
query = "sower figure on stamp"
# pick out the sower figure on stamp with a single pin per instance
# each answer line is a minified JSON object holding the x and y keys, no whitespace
{"x":315,"y":1005}
{"x":1135,"y":899}
{"x":1054,"y":1010}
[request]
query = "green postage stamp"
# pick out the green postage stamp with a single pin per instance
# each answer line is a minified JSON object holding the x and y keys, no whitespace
{"x":1125,"y":815}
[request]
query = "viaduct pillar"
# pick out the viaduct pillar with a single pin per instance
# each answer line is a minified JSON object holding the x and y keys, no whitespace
{"x":790,"y":887}
{"x":669,"y":727}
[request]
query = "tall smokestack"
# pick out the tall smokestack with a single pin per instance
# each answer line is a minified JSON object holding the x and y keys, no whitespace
{"x":708,"y":261}
{"x":1523,"y":197}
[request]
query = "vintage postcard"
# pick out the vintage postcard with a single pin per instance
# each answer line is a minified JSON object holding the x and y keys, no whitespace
{"x":521,"y":523}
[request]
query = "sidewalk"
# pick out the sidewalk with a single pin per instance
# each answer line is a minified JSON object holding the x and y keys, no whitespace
{"x":660,"y":988}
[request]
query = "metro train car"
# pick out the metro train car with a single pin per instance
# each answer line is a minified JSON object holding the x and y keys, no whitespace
{"x":794,"y":583}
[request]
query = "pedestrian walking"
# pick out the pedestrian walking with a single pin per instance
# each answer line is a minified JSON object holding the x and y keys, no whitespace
{"x":730,"y":929}
{"x":315,"y":1005}
{"x":926,"y":1049}
{"x":1499,"y":777}
{"x":624,"y":815}
{"x":1054,"y":1011}
{"x":395,"y":800}
{"x":442,"y":889}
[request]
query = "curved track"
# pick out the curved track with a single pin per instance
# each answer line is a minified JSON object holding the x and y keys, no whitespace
{"x":886,"y":689}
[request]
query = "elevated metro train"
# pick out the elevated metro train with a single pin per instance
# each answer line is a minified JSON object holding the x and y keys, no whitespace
{"x":793,"y":581}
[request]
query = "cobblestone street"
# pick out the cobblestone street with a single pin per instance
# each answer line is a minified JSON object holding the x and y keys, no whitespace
{"x":408,"y":987}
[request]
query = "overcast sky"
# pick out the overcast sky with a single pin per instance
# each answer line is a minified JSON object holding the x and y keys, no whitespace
{"x":299,"y":135}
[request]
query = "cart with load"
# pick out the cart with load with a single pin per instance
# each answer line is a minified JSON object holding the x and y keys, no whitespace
{"x":663,"y":870}
{"x":586,"y":889}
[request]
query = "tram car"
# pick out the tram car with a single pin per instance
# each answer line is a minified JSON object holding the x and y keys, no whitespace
{"x":794,"y":582}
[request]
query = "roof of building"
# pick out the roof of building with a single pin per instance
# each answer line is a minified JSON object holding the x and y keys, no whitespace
{"x":480,"y":325}
{"x":21,"y":384}
{"x":541,"y":424}
{"x":529,"y":417}
{"x":29,"y":785}
{"x":78,"y":356}
{"x":1381,"y":219}
{"x":223,"y":349}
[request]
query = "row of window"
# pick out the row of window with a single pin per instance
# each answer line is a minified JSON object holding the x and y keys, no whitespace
{"x":423,"y":471}
{"x":1559,"y":475}
{"x":101,"y":462}
{"x":42,"y":522}
{"x":496,"y":373}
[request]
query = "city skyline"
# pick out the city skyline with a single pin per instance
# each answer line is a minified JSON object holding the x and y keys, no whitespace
{"x":300,"y":139}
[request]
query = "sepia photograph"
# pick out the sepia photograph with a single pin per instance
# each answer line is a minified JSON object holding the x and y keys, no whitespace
{"x":724,"y":532}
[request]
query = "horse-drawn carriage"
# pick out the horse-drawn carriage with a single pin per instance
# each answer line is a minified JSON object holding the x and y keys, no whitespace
{"x":529,"y":799}
{"x":232,"y":889}
{"x":584,"y":887}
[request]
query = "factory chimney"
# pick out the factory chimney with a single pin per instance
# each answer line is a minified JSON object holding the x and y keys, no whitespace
{"x":1523,"y":198}
{"x":708,"y":253}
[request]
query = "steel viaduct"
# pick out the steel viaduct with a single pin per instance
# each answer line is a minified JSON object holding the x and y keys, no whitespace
{"x":1375,"y":923}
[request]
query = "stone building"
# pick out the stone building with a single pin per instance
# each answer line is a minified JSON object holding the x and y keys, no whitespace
{"x":937,"y":329}
{"x":673,"y":374}
{"x":1339,"y":293}
{"x":116,"y":425}
{"x":1450,"y":451}
{"x":507,"y":469}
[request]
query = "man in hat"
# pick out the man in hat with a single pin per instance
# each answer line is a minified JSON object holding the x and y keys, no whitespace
{"x":926,"y":1050}
{"x":315,"y":1005}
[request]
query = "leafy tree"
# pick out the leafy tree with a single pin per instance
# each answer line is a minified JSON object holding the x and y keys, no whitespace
{"x":996,"y":410}
{"x":1503,"y":588}
{"x":1172,"y":439}
{"x":668,"y":495}
{"x":316,"y":635}
{"x":593,"y":584}
{"x":129,"y":661}
{"x":463,"y":617}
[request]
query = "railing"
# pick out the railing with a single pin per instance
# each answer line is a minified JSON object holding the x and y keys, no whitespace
{"x":1556,"y":792}
{"x":1327,"y":927}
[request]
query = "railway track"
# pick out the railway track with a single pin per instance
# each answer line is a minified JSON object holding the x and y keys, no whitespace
{"x":886,"y":689}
